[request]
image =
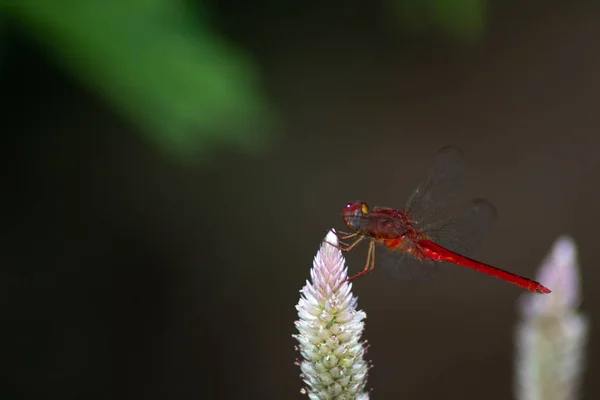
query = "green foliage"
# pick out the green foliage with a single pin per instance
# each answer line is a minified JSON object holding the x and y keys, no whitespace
{"x":159,"y":64}
{"x":460,"y":19}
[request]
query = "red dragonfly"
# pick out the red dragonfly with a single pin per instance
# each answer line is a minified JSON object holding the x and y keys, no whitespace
{"x":430,"y":228}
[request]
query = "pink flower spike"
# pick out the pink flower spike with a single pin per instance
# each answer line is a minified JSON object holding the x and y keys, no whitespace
{"x":329,"y":330}
{"x":552,"y":335}
{"x":559,"y":271}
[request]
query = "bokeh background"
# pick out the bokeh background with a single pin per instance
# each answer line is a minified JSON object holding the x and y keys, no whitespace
{"x":169,"y":169}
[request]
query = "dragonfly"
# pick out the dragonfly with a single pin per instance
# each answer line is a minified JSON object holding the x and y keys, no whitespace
{"x":433,"y":227}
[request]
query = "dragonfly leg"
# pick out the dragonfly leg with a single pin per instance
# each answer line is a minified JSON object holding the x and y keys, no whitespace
{"x":369,"y":266}
{"x":345,"y":235}
{"x":346,"y":246}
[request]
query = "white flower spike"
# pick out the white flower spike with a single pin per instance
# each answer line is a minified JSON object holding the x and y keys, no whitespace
{"x":330,"y":328}
{"x":552,"y":335}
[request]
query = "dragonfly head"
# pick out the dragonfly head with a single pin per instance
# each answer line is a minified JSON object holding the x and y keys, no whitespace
{"x":354,"y":213}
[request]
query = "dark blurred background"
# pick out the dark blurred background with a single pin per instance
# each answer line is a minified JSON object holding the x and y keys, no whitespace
{"x":157,"y":229}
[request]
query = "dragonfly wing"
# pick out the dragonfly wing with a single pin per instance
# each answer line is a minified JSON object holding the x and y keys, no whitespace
{"x":441,"y":188}
{"x":405,"y":267}
{"x":463,"y":231}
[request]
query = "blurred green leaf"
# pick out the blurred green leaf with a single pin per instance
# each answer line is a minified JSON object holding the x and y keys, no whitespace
{"x":464,"y":18}
{"x":461,"y":19}
{"x":159,"y":64}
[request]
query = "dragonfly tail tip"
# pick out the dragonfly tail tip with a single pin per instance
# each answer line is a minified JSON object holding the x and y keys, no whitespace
{"x":543,"y":290}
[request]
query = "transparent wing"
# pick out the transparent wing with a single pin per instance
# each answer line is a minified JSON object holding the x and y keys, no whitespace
{"x":463,"y":231}
{"x":460,"y":232}
{"x":405,"y":266}
{"x":440,"y":190}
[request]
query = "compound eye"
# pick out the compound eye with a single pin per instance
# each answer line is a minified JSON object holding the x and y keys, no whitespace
{"x":364,"y":208}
